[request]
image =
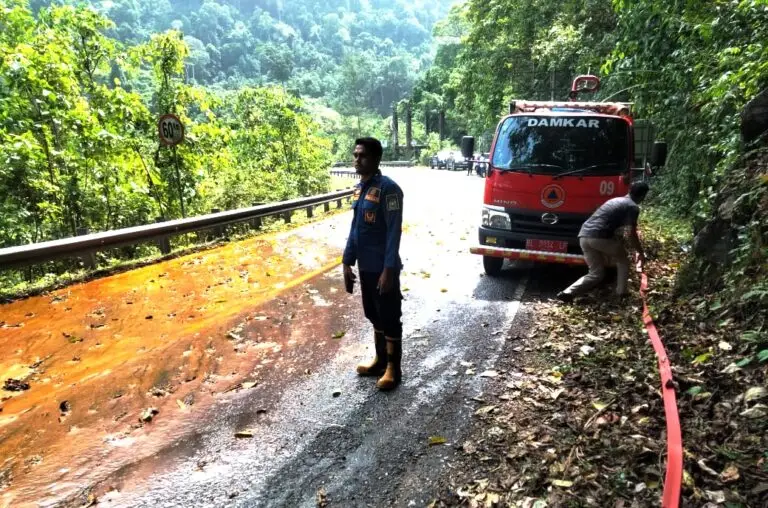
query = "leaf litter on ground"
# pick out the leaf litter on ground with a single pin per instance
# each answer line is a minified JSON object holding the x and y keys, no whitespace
{"x":601,"y":440}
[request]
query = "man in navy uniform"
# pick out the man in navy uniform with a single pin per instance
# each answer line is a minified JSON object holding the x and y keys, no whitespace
{"x":374,"y":244}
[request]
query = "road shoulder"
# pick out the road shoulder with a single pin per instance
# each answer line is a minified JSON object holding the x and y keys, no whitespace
{"x":575,"y":416}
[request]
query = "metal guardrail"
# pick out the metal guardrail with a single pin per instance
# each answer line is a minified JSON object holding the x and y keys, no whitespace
{"x":24,"y":255}
{"x":397,"y":163}
{"x":341,"y":164}
{"x":345,"y":172}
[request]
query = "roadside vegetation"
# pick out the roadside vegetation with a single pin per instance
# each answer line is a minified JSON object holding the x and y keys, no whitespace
{"x":573,"y":414}
{"x":580,"y":422}
{"x":269,"y":98}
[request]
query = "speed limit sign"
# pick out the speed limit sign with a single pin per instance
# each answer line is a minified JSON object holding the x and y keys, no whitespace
{"x":171,"y":130}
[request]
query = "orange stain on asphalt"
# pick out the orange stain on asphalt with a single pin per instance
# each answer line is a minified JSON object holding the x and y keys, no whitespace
{"x":105,"y":345}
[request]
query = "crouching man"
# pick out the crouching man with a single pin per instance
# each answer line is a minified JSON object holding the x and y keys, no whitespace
{"x":599,"y":240}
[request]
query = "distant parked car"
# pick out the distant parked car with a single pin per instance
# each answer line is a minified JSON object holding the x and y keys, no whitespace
{"x":457,"y":161}
{"x":440,"y":159}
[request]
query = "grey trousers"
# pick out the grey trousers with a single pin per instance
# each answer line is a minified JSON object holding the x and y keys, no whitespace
{"x":598,"y":252}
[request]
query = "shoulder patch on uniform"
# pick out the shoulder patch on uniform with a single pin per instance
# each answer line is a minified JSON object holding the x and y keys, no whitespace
{"x":393,"y":202}
{"x":370,"y":216}
{"x":373,"y":194}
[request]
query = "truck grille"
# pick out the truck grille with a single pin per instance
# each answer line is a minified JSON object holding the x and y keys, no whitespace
{"x":567,"y":225}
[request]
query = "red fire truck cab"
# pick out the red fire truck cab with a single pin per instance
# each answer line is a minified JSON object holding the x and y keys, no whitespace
{"x":551,"y":165}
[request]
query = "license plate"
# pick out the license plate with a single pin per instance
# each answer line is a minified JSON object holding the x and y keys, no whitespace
{"x":546,"y":245}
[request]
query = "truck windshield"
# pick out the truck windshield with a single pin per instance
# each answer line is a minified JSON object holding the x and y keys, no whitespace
{"x":576,"y":145}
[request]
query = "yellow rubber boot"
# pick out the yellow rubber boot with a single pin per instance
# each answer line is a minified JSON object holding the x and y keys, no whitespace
{"x":379,"y":363}
{"x":392,"y":374}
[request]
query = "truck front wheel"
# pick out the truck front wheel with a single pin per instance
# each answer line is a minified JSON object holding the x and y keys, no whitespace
{"x":492,"y":265}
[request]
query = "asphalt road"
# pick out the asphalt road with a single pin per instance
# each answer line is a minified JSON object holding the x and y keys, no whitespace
{"x":314,"y":429}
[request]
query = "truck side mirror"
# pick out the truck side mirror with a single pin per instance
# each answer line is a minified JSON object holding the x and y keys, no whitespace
{"x":467,"y":146}
{"x":659,"y":154}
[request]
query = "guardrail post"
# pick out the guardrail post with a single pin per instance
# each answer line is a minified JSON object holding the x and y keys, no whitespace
{"x":327,"y":207}
{"x":287,"y":217}
{"x":89,"y":258}
{"x":310,"y":212}
{"x":218,"y":231}
{"x":338,"y":203}
{"x":163,"y":243}
{"x":256,"y":221}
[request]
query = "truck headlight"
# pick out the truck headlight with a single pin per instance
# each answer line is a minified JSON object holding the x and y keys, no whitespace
{"x":496,"y":217}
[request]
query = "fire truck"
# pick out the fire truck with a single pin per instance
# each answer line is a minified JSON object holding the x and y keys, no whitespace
{"x":552,"y":164}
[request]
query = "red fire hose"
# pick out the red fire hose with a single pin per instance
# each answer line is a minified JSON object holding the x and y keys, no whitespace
{"x":674,"y":476}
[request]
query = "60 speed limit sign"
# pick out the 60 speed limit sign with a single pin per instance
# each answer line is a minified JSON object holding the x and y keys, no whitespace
{"x":171,"y":130}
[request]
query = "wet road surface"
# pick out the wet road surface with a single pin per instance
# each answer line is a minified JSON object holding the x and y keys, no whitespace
{"x":257,"y":337}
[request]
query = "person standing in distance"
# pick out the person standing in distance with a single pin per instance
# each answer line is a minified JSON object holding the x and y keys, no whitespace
{"x":374,"y":244}
{"x":598,"y":239}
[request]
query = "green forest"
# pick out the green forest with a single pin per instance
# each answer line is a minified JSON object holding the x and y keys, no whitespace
{"x":270,"y":95}
{"x":273,"y":93}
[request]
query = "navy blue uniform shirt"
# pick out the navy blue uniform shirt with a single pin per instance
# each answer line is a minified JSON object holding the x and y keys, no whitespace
{"x":377,"y":220}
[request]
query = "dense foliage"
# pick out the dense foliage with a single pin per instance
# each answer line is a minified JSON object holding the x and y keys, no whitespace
{"x":355,"y":53}
{"x":80,"y":150}
{"x":81,"y":89}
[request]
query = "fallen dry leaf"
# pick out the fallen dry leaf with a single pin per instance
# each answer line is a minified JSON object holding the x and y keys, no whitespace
{"x":717,"y":496}
{"x":755,"y":393}
{"x":758,"y":411}
{"x":322,"y":498}
{"x":148,"y":414}
{"x":730,"y":474}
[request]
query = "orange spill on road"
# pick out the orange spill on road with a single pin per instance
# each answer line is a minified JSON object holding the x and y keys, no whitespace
{"x":105,"y":346}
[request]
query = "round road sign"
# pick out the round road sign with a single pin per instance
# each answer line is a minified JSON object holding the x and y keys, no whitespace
{"x":170,"y":129}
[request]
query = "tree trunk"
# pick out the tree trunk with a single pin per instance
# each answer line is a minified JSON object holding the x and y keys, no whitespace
{"x":394,"y":131}
{"x":408,"y":133}
{"x":152,"y":190}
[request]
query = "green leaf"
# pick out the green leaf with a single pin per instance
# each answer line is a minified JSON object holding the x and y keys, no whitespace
{"x":751,"y":336}
{"x":702,"y":358}
{"x":694,"y":390}
{"x":436,"y":440}
{"x":744,"y":362}
{"x":339,"y":334}
{"x":763,"y":355}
